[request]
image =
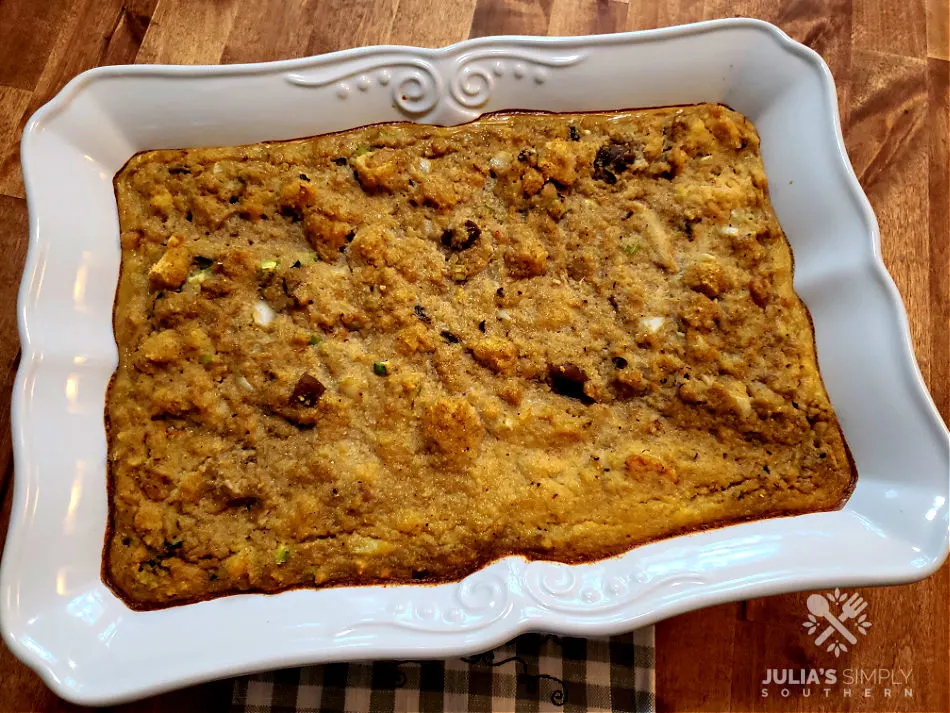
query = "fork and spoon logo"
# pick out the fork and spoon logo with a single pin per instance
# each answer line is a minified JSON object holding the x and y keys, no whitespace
{"x":836,"y":608}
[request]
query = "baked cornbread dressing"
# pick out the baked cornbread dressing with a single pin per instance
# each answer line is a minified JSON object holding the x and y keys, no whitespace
{"x":395,"y":353}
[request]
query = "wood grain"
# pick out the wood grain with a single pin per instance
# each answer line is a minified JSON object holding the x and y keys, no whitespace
{"x":938,"y":29}
{"x":511,"y":17}
{"x":365,"y":22}
{"x":938,"y":91}
{"x":587,"y":17}
{"x":13,"y":115}
{"x":703,"y":681}
{"x":889,"y":60}
{"x":647,"y":14}
{"x":890,"y":27}
{"x":187,"y":32}
{"x":13,"y":223}
{"x":125,"y":38}
{"x":259,"y":35}
{"x":420,"y":22}
{"x":30,"y":29}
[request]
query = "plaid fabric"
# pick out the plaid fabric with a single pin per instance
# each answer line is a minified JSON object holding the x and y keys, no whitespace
{"x":535,"y":672}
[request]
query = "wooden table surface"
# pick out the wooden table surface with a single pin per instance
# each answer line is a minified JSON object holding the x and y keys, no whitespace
{"x":890,"y":61}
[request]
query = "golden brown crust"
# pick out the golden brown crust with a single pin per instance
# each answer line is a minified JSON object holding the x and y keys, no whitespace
{"x":397,"y":353}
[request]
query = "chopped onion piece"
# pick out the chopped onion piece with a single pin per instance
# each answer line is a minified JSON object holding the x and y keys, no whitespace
{"x":652,"y":324}
{"x":263,"y":314}
{"x":198,"y":277}
{"x":500,"y":161}
{"x":351,"y":386}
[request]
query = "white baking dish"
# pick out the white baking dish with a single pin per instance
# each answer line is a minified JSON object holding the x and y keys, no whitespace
{"x":62,"y":621}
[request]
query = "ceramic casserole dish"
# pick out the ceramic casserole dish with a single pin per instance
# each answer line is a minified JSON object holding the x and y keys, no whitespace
{"x":58,"y":616}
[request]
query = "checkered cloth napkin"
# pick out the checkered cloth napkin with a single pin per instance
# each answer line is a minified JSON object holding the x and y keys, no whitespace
{"x":535,"y":672}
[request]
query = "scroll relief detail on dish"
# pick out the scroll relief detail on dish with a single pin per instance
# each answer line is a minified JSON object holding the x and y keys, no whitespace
{"x":418,"y":85}
{"x":475,"y":603}
{"x":560,"y":588}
